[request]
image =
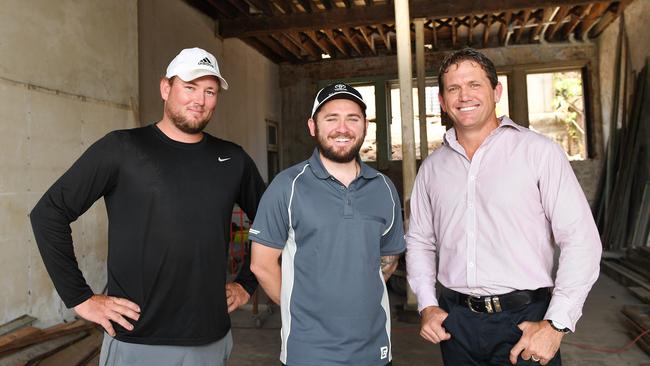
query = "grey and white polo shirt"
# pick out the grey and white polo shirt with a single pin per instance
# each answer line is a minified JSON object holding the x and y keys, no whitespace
{"x":334,"y":302}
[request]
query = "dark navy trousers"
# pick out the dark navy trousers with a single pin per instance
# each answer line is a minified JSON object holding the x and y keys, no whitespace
{"x":481,"y":339}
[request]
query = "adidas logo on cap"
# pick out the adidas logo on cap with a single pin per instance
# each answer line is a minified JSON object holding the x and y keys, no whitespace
{"x":206,"y":61}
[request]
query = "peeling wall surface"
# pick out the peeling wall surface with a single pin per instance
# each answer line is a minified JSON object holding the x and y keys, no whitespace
{"x":166,"y":27}
{"x":637,"y":18}
{"x":68,"y":75}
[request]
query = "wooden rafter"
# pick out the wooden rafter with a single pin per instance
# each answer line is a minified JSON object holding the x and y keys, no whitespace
{"x":454,"y":32}
{"x":504,"y":29}
{"x":486,"y":29}
{"x":327,"y":4}
{"x":348,"y":3}
{"x":307,"y":47}
{"x":470,"y":30}
{"x":370,"y":42}
{"x":286,"y":5}
{"x":287,"y":44}
{"x":263,"y":49}
{"x":263,"y":6}
{"x":542,"y":23}
{"x":434,"y":34}
{"x":576,"y":18}
{"x":607,"y":18}
{"x":525,"y":15}
{"x":240,"y":6}
{"x":384,"y":37}
{"x":225,"y":9}
{"x":322,"y":45}
{"x":559,"y":20}
{"x":276,"y":47}
{"x":350,"y":37}
{"x":333,"y":38}
{"x":339,"y":17}
{"x":306,"y":4}
{"x":590,"y":20}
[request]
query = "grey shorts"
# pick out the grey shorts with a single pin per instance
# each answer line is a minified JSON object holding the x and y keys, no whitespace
{"x":118,"y":353}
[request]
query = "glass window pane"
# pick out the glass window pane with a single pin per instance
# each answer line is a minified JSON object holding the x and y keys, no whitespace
{"x":556,"y":109}
{"x":435,"y":130}
{"x":503,"y":108}
{"x":369,"y":148}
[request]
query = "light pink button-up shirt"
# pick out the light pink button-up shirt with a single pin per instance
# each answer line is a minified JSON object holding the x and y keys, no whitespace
{"x":492,"y":222}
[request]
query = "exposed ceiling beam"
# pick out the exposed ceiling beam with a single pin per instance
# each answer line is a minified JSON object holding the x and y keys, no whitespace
{"x":522,"y":24}
{"x":263,"y":49}
{"x":350,"y":37}
{"x":263,"y":6}
{"x":608,"y":18}
{"x":559,"y":21}
{"x":306,"y":4}
{"x":384,"y":37}
{"x":577,"y":18}
{"x":335,"y":41}
{"x":305,"y":46}
{"x":379,"y":13}
{"x":287,"y":6}
{"x":486,"y":30}
{"x":434,"y":34}
{"x":504,"y":30}
{"x":368,"y":38}
{"x":241,"y":7}
{"x":327,"y":4}
{"x":322,"y":45}
{"x":585,"y":26}
{"x":348,"y":3}
{"x":542,"y":24}
{"x":276,"y":47}
{"x":288,"y":45}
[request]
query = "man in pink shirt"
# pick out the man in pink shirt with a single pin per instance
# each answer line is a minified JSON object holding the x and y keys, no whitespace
{"x":488,"y":209}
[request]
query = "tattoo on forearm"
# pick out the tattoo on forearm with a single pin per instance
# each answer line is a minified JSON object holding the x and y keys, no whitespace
{"x":387,"y":261}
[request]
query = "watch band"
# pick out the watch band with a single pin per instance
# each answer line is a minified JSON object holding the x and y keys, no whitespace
{"x":561,"y":330}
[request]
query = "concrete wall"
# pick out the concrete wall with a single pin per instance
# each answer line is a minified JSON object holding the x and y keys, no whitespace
{"x":637,"y":18}
{"x":166,"y":27}
{"x":68,"y":74}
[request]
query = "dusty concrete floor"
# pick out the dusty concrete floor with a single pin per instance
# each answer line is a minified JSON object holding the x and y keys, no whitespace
{"x":601,"y":325}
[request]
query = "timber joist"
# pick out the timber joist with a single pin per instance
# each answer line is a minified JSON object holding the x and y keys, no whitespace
{"x":301,"y":31}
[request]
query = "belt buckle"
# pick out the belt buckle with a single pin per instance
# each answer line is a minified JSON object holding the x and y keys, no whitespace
{"x":469,"y":303}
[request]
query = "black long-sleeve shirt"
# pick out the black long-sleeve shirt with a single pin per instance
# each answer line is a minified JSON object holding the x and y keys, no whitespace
{"x":169,"y":208}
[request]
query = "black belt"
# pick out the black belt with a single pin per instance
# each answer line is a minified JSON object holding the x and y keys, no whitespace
{"x":498,"y":303}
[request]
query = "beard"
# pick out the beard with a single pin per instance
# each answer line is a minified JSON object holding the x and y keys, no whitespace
{"x":338,"y":155}
{"x":185,"y":125}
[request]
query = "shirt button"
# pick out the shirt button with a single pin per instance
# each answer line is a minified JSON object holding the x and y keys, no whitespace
{"x":471,"y":264}
{"x":472,"y":177}
{"x":470,"y":205}
{"x":471,"y":235}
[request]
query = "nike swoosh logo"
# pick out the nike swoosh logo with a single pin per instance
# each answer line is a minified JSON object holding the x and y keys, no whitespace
{"x":223,"y":159}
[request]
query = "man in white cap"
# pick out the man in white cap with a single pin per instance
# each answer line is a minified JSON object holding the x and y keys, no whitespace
{"x":169,"y":190}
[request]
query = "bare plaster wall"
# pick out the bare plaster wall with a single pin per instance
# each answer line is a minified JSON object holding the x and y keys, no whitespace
{"x":67,"y":77}
{"x":166,"y":27}
{"x":637,"y":18}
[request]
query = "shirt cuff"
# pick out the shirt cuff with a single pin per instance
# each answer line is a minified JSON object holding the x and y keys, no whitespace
{"x":561,"y":311}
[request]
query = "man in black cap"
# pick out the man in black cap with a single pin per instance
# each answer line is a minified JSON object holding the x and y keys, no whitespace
{"x":337,"y":224}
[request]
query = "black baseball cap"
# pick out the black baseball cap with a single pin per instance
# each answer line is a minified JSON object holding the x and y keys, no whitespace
{"x":337,"y":91}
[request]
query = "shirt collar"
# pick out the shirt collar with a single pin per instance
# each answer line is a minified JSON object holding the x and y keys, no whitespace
{"x":319,"y":169}
{"x":504,"y":122}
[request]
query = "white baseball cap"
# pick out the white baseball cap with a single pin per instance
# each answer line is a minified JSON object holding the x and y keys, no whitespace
{"x":192,"y":63}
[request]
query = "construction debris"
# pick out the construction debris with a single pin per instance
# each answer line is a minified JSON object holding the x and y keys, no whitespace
{"x":76,"y":343}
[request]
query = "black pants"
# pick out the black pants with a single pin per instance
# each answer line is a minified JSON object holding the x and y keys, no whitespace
{"x":388,"y":364}
{"x":480,"y":339}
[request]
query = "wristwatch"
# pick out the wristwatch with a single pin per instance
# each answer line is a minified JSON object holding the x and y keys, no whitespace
{"x":557,"y":327}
